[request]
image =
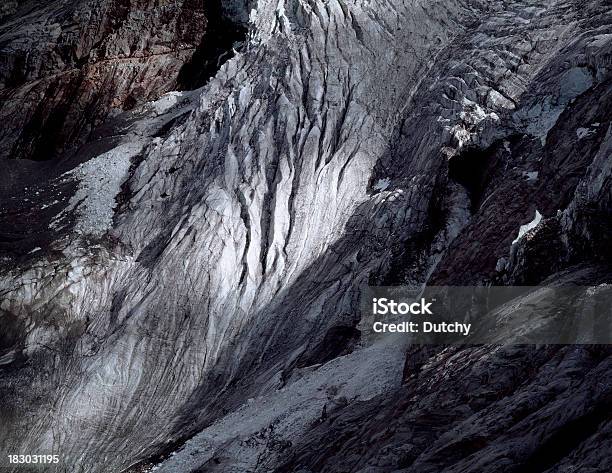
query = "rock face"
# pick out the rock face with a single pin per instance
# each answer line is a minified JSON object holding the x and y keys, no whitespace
{"x":67,"y":65}
{"x":188,"y":280}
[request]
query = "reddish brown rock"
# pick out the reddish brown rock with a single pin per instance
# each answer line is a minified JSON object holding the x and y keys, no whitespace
{"x":68,"y":66}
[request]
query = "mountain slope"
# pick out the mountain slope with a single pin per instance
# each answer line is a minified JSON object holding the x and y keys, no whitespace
{"x":194,"y":269}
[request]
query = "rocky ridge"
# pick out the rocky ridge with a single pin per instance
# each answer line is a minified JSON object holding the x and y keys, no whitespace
{"x":67,"y":66}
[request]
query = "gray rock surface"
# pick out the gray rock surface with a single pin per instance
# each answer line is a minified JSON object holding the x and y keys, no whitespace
{"x":193,"y":271}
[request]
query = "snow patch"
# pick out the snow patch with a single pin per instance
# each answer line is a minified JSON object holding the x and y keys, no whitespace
{"x":585,"y":132}
{"x":100,"y":182}
{"x":528,"y":227}
{"x":166,"y":102}
{"x":382,"y":184}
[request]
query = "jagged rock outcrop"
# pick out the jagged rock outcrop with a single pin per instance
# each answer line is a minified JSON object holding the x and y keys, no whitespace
{"x":67,"y":65}
{"x":195,"y":268}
